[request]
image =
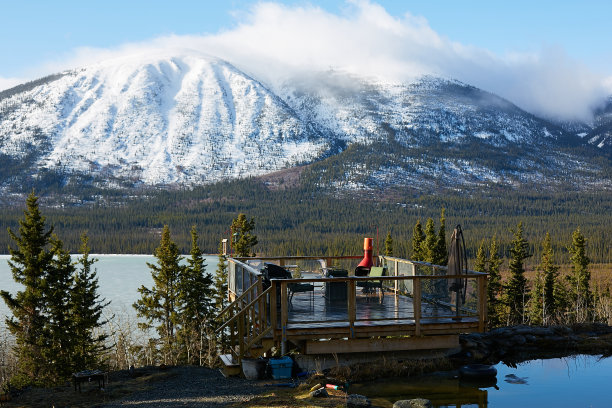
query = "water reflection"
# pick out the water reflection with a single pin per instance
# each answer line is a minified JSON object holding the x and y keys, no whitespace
{"x":442,"y":391}
{"x":560,"y":382}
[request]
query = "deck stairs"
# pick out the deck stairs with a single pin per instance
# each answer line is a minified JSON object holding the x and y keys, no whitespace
{"x":246,"y":328}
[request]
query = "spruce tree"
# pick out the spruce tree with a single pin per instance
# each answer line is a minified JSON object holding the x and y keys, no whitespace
{"x":389,"y":245}
{"x":242,"y":235}
{"x":536,"y":303}
{"x":418,"y":237}
{"x":196,"y":294}
{"x":429,"y":245}
{"x":86,"y":308}
{"x":60,"y":346}
{"x":494,"y":286}
{"x":221,"y":297}
{"x":161,"y":305}
{"x":440,"y":256}
{"x":550,"y":271}
{"x":480,"y":264}
{"x":516,"y":288}
{"x":220,"y":281}
{"x":580,"y":278}
{"x":30,"y":263}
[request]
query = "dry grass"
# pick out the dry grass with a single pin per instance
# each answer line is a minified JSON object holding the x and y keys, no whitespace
{"x":601,"y":274}
{"x":119,"y":385}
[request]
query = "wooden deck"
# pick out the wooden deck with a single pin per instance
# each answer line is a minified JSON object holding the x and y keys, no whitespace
{"x":341,"y":315}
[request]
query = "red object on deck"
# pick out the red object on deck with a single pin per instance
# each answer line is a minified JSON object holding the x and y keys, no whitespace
{"x":367,"y":262}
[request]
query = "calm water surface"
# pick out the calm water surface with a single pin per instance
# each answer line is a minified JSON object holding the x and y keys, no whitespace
{"x":582,"y":381}
{"x":119,"y":276}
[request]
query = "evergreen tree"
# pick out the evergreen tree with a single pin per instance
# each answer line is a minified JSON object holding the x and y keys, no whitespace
{"x":536,"y":302}
{"x":428,"y":246}
{"x":441,"y":253}
{"x":220,"y":281}
{"x":389,"y":245}
{"x":221,"y":297}
{"x":550,"y":271}
{"x":86,"y":312}
{"x":242,"y":235}
{"x":494,"y":286}
{"x":161,"y":304}
{"x":30,"y":263}
{"x":418,"y":238}
{"x":580,"y":278}
{"x":480,"y":264}
{"x":196,"y":294}
{"x":59,"y":348}
{"x":516,"y":288}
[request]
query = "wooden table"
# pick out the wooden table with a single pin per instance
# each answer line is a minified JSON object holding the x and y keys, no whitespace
{"x":89,"y":376}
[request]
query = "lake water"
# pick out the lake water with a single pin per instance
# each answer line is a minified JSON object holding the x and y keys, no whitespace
{"x":581,"y":381}
{"x":119,"y":277}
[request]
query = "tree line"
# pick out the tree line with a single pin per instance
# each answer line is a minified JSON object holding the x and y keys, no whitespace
{"x":312,"y":223}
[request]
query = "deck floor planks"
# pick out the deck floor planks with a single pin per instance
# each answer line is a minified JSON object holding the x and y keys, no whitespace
{"x":308,"y":311}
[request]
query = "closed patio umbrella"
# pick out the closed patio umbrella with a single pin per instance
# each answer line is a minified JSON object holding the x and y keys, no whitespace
{"x":457,"y":265}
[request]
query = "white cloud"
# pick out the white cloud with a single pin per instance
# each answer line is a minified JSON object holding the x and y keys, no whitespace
{"x":7,"y":83}
{"x":274,"y":42}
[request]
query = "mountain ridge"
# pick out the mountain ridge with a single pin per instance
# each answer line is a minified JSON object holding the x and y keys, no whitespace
{"x":193,"y":120}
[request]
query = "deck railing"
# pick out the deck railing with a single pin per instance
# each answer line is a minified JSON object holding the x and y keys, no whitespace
{"x":414,"y":297}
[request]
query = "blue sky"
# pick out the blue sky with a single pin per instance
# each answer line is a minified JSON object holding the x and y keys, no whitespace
{"x":39,"y":37}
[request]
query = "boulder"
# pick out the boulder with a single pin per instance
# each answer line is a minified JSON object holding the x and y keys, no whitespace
{"x":519,"y":339}
{"x":413,"y":403}
{"x":357,"y":401}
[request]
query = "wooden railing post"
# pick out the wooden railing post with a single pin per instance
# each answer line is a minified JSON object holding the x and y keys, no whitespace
{"x":416,"y":304}
{"x":274,"y":306}
{"x":240,"y":337}
{"x":262,"y":317}
{"x":351,"y":289}
{"x":284,"y":316}
{"x":396,"y":273}
{"x":482,"y":302}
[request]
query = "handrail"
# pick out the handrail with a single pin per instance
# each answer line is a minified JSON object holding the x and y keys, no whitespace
{"x":238,"y":299}
{"x":259,"y":337}
{"x":309,"y":257}
{"x":244,"y":309}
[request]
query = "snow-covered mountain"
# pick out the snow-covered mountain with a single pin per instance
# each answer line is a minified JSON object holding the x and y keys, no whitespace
{"x":193,"y":119}
{"x":159,"y":121}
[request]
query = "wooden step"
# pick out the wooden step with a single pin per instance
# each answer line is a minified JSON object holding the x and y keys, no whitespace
{"x":265,"y":345}
{"x":230,"y":366}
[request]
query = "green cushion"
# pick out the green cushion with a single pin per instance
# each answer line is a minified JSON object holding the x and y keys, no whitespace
{"x":377,"y":271}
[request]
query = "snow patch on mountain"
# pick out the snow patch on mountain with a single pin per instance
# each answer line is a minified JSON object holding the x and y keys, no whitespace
{"x":184,"y":119}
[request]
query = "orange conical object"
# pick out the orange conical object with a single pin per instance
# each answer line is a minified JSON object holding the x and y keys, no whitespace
{"x":368,"y":247}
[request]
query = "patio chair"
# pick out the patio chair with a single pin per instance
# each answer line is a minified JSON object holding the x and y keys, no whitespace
{"x":294,"y":288}
{"x":370,"y":285}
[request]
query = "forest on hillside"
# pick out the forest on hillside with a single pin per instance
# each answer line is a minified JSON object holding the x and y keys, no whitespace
{"x":303,"y":221}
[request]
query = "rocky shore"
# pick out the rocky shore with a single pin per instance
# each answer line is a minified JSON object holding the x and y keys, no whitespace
{"x":515,"y":344}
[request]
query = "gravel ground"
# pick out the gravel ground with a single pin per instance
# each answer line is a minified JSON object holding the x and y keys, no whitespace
{"x":192,"y":387}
